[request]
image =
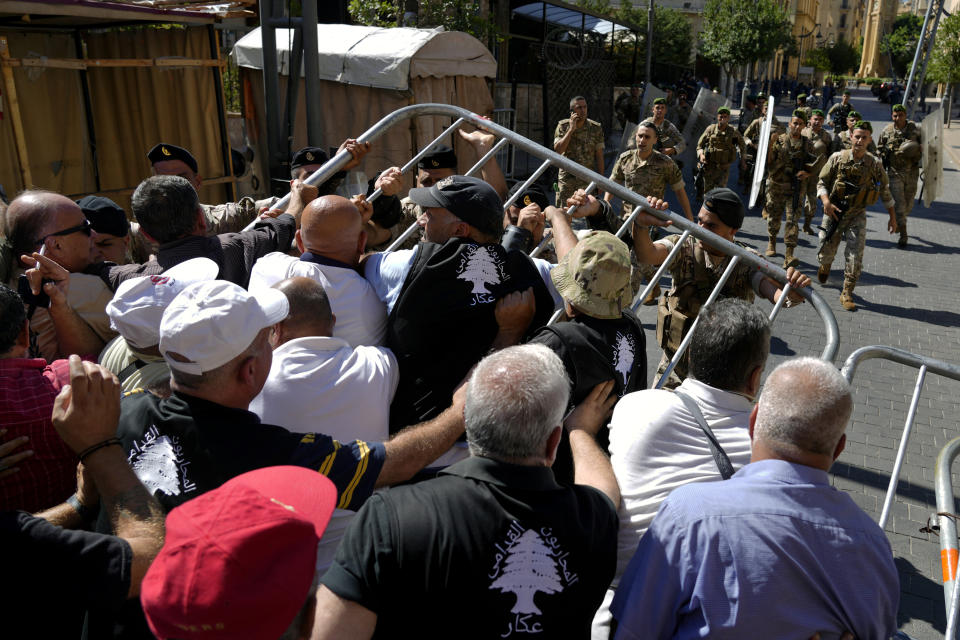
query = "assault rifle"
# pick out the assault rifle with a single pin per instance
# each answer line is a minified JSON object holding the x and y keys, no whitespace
{"x":698,"y":177}
{"x":844,"y":191}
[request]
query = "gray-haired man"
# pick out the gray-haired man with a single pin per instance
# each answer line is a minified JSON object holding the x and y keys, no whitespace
{"x":494,"y":533}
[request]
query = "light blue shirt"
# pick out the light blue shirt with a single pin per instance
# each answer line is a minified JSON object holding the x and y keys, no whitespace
{"x":386,"y":273}
{"x":774,"y":552}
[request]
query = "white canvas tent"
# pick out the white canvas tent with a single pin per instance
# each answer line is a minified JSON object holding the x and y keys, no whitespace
{"x":368,"y":72}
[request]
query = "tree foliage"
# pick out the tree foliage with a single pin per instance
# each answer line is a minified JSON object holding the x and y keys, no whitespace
{"x":945,"y":62}
{"x":737,"y":32}
{"x":452,"y":15}
{"x":901,"y":43}
{"x":837,"y":58}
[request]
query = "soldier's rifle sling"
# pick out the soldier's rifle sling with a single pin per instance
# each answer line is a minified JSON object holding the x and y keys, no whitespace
{"x":734,"y":260}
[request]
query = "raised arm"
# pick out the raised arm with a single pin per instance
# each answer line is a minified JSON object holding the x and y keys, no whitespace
{"x":590,"y":464}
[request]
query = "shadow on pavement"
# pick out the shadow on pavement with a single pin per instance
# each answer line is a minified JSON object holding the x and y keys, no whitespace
{"x":779,"y":347}
{"x":917,"y":245}
{"x":920,"y":597}
{"x":941,"y":318}
{"x":878,"y":480}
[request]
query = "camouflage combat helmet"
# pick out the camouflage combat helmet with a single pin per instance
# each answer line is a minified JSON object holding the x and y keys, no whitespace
{"x":595,"y":276}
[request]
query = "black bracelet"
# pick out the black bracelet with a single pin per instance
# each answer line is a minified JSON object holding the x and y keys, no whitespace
{"x":87,"y":514}
{"x":100,"y":445}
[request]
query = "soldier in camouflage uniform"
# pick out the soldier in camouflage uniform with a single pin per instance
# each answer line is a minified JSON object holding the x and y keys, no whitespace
{"x":850,"y":181}
{"x":681,"y":113}
{"x":718,"y":148}
{"x":751,"y":137}
{"x":901,"y":158}
{"x":822,"y":146}
{"x":627,"y":107}
{"x":580,"y":140}
{"x":669,"y":140}
{"x":696,"y":271}
{"x":647,"y":173}
{"x":789,"y":163}
{"x":843,"y":141}
{"x":838,"y":113}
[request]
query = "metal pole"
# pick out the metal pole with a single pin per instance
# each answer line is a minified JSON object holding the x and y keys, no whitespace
{"x":687,"y":338}
{"x":902,"y":452}
{"x":271,"y":88}
{"x":225,"y":155}
{"x":649,"y":78}
{"x":780,"y":301}
{"x":293,"y":90}
{"x":311,"y":74}
{"x":948,"y":526}
{"x":659,"y":274}
{"x":926,"y":58}
{"x":916,"y":56}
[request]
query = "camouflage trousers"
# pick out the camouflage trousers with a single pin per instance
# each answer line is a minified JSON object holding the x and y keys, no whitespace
{"x":852,"y":230}
{"x":715,"y":176}
{"x":810,"y":208}
{"x":780,"y":198}
{"x":903,"y":190}
{"x":676,"y":376}
{"x":568,"y":184}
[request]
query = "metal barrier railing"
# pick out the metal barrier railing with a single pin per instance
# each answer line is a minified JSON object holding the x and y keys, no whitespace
{"x":946,"y":508}
{"x":461,"y":116}
{"x":922,"y":363}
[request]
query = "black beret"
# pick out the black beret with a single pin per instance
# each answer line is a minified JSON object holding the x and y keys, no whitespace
{"x":164,"y":151}
{"x":308,"y":155}
{"x":725,"y":204}
{"x":534,"y":194}
{"x":105,"y":215}
{"x":441,"y":157}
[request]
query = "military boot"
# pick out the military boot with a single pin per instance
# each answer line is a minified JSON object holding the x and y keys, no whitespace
{"x":846,"y":296}
{"x":807,"y":228}
{"x":789,"y":260}
{"x":902,"y":242}
{"x":823,"y":273}
{"x":652,"y":298}
{"x":771,"y":248}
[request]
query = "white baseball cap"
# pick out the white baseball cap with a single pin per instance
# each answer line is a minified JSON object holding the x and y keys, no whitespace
{"x":138,"y":304}
{"x":211,"y":323}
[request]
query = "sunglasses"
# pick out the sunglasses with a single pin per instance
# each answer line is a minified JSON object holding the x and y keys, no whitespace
{"x":84,"y":227}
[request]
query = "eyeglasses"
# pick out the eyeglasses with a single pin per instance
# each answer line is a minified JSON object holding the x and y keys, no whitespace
{"x":84,"y":227}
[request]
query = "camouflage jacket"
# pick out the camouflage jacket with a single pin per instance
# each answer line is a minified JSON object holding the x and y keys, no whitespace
{"x":721,"y":145}
{"x":695,"y":273}
{"x":649,"y":177}
{"x":843,"y":176}
{"x":838,"y":113}
{"x":890,"y":140}
{"x":783,"y":157}
{"x":752,"y":134}
{"x":668,"y":136}
{"x":583,"y":143}
{"x":822,"y":146}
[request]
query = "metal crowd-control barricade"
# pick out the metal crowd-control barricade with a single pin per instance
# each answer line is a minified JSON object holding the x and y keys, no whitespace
{"x":946,"y":508}
{"x":597,"y":181}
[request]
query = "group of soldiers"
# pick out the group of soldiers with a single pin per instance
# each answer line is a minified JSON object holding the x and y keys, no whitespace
{"x":806,"y":165}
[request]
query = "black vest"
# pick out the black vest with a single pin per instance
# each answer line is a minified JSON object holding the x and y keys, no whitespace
{"x":594,"y":351}
{"x":443,"y":320}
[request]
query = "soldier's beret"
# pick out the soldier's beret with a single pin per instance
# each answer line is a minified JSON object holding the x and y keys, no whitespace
{"x":308,"y":155}
{"x":660,"y":101}
{"x":723,"y":110}
{"x":751,"y":98}
{"x":442,"y":157}
{"x":726,"y":205}
{"x":534,"y":194}
{"x":846,"y":92}
{"x":854,"y":114}
{"x":899,"y":107}
{"x":105,"y":215}
{"x":863,"y":124}
{"x":761,"y":96}
{"x":802,"y":96}
{"x":817,"y":112}
{"x":798,"y":113}
{"x":166,"y":151}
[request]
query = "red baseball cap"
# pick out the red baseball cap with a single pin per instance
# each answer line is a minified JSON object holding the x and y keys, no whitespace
{"x":238,"y":561}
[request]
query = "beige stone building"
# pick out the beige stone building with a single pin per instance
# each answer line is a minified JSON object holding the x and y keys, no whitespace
{"x":879,"y":21}
{"x":841,"y":20}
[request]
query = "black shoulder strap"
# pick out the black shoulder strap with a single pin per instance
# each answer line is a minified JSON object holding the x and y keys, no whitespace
{"x":719,"y":455}
{"x":136,"y":365}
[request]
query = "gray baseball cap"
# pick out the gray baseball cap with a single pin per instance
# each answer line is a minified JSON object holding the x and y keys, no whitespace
{"x":470,"y":199}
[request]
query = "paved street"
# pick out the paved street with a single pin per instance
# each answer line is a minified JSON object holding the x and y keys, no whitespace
{"x":908,"y":299}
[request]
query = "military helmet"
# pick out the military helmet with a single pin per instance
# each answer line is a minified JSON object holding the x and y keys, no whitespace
{"x":910,"y":150}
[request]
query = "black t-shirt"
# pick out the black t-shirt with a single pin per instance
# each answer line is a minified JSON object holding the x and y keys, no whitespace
{"x":53,"y":574}
{"x":485,"y":550}
{"x":594,"y":351}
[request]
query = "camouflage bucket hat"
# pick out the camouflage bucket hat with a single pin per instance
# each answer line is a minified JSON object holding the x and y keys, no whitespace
{"x":595,"y":276}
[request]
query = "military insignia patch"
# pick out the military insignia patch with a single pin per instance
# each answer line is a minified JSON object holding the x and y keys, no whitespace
{"x":310,"y":156}
{"x":165,"y":151}
{"x":526,"y":200}
{"x":434,"y":163}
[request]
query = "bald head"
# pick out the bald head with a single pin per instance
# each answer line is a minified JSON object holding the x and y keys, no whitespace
{"x":310,"y":313}
{"x":331,"y":226}
{"x":804,"y":409}
{"x":35,"y":214}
